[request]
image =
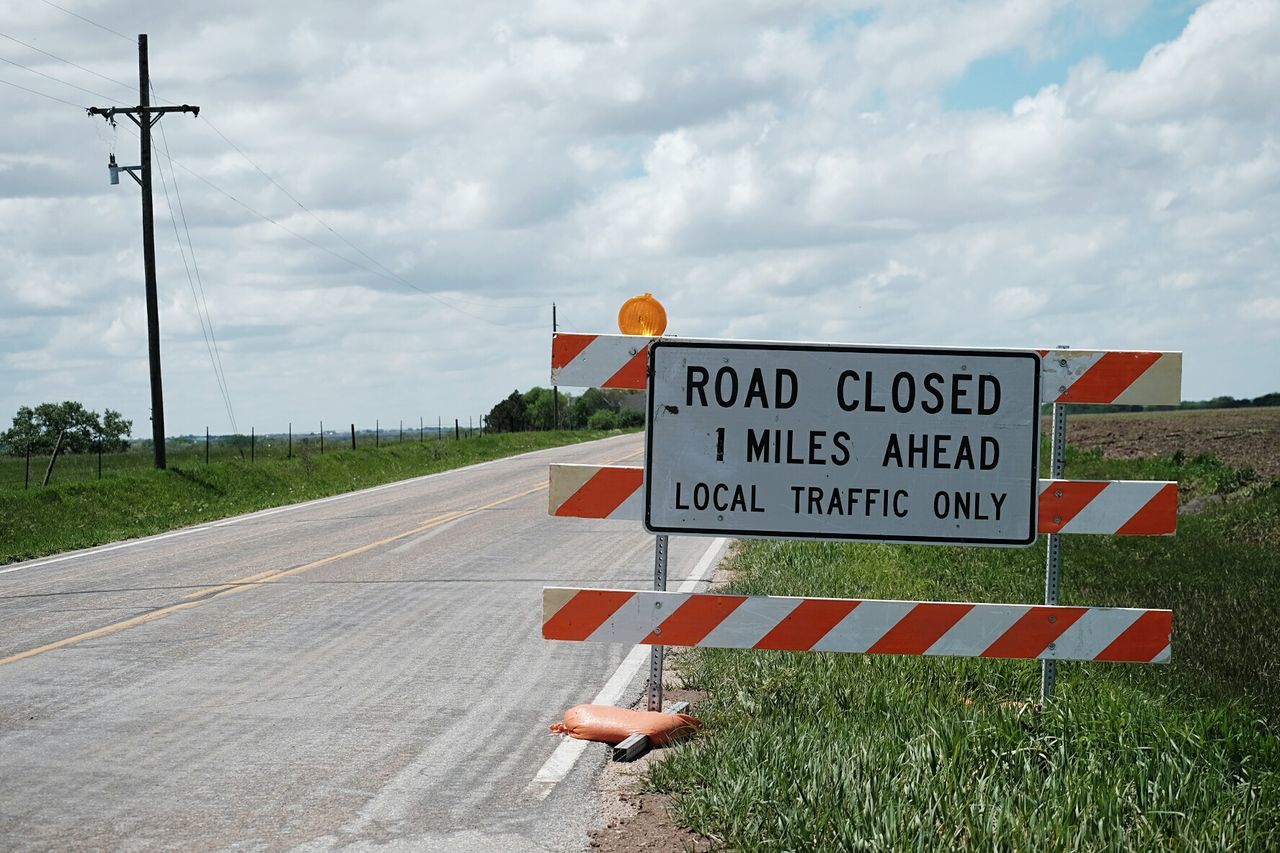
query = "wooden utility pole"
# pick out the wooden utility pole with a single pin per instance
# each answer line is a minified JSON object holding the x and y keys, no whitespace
{"x":145,"y":117}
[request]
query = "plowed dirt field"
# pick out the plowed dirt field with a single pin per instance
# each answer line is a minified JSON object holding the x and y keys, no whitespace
{"x":1240,"y":437}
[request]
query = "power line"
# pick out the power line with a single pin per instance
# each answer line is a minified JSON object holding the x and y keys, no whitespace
{"x":217,"y":353}
{"x":380,"y":270}
{"x":87,"y":21}
{"x":43,"y":95}
{"x":128,"y":86}
{"x":226,"y":402}
{"x":294,"y":198}
{"x":54,"y":79}
{"x":205,"y":318}
{"x":350,"y":261}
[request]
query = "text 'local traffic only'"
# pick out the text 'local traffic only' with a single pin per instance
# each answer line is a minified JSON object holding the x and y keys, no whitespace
{"x":842,"y":442}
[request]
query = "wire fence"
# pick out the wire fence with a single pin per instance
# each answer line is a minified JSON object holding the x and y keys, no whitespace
{"x":24,"y":469}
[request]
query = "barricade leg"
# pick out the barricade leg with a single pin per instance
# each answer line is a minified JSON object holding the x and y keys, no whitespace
{"x":655,"y":656}
{"x":1053,"y":560}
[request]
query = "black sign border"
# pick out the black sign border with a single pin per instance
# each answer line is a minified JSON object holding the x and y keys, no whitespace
{"x":852,"y":348}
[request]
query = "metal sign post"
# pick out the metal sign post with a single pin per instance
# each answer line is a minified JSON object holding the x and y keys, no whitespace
{"x":1053,"y":561}
{"x":655,"y":655}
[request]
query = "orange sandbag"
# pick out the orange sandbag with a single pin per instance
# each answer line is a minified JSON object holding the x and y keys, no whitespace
{"x":607,"y":724}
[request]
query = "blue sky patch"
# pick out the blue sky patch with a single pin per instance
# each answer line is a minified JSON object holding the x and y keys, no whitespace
{"x":997,"y":82}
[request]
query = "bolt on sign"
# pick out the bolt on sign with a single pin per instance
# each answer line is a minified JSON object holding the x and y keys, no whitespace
{"x":891,"y":444}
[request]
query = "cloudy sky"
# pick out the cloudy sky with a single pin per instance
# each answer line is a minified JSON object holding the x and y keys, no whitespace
{"x":1102,"y":173}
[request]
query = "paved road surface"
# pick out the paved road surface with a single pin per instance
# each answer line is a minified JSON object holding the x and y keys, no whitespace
{"x":385,"y":686}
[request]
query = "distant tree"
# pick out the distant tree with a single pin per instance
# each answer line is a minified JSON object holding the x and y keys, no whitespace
{"x":510,"y":415}
{"x":1272,"y":399}
{"x":540,"y":408}
{"x":38,"y":428}
{"x":536,"y":409}
{"x":115,"y":431}
{"x":603,"y":419}
{"x":1226,"y":402}
{"x":596,"y":400}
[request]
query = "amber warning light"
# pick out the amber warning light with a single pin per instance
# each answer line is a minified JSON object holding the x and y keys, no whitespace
{"x":642,"y":315}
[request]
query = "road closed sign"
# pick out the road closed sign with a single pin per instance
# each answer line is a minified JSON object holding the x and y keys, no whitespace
{"x":892,"y":444}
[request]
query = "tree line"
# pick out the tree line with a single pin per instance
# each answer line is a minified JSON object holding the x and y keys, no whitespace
{"x":1223,"y":402}
{"x":537,"y":409}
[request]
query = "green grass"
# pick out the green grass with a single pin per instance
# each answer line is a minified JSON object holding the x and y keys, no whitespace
{"x":142,"y":501}
{"x":809,"y":751}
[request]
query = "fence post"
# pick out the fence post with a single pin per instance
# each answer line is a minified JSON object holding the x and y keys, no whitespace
{"x":253,"y":443}
{"x":439,"y":427}
{"x":353,"y":436}
{"x":322,"y":438}
{"x":206,"y":445}
{"x":457,"y":432}
{"x":48,"y":472}
{"x":1053,"y":560}
{"x":26,"y":483}
{"x":290,"y":440}
{"x":377,"y":433}
{"x":419,"y":429}
{"x":99,"y":456}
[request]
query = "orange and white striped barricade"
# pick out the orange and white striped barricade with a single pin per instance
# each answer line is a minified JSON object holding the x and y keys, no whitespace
{"x":1128,"y":377}
{"x":1055,"y":505}
{"x":787,"y":623}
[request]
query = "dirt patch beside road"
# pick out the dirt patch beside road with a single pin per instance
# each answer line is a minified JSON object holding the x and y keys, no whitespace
{"x":636,"y":819}
{"x":1242,"y":438}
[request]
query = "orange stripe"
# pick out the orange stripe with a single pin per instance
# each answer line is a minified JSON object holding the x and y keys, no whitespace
{"x":1055,"y":512}
{"x":807,"y":624}
{"x":1142,"y":640}
{"x":1109,"y":377}
{"x":566,"y":347}
{"x":1033,"y":633}
{"x":635,"y":374}
{"x":919,"y":629}
{"x":603,"y":493}
{"x":693,"y":620}
{"x":1159,"y":517}
{"x":584,"y":613}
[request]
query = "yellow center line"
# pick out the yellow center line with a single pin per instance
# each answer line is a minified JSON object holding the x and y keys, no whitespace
{"x":253,"y":581}
{"x":201,"y":593}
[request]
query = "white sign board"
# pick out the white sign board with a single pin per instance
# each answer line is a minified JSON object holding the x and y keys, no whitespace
{"x":893,"y":444}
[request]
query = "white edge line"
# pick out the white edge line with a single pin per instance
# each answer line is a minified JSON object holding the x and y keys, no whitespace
{"x":104,"y":549}
{"x":129,"y":543}
{"x":570,"y":749}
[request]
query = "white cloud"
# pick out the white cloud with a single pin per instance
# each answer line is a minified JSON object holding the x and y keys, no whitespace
{"x":765,"y":172}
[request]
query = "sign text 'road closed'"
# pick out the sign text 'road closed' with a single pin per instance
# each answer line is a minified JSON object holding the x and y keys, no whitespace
{"x":897,"y":444}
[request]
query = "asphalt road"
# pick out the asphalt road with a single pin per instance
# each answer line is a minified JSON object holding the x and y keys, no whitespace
{"x":361,"y":671}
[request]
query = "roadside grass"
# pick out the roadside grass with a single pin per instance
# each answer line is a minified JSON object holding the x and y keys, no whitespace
{"x":187,"y":452}
{"x":814,"y":751}
{"x":63,"y":517}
